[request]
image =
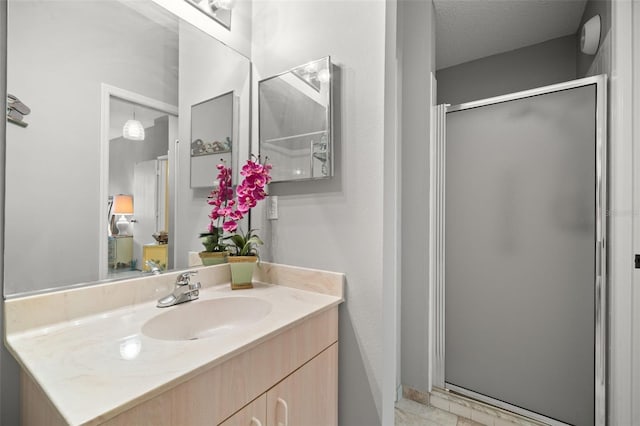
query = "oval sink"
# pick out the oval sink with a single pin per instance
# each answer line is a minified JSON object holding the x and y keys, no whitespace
{"x":207,"y":318}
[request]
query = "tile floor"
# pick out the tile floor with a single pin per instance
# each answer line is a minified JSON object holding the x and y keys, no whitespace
{"x":410,"y":413}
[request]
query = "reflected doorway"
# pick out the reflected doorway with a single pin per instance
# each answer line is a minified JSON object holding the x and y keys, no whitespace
{"x":139,"y":136}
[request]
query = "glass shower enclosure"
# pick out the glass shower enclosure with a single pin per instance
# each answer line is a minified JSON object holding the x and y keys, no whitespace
{"x":522,"y":298}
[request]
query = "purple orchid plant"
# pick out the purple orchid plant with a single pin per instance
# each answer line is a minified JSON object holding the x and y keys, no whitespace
{"x":227,"y":211}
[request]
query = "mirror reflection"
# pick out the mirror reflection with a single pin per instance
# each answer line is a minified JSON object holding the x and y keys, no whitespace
{"x":212,"y":134}
{"x":98,"y":184}
{"x":138,"y":200}
{"x":295,"y":122}
{"x":219,"y":10}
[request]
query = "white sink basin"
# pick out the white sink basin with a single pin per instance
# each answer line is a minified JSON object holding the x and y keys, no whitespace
{"x":206,"y":318}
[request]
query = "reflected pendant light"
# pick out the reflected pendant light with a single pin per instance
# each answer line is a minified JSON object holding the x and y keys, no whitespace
{"x":133,"y":129}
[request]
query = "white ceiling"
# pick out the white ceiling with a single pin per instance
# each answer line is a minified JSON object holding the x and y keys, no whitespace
{"x":473,"y":29}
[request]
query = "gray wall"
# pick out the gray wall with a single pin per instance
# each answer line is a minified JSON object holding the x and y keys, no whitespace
{"x":337,"y":224}
{"x":9,"y":379}
{"x":201,"y":58}
{"x":58,"y":156}
{"x":542,"y":64}
{"x":416,"y":25}
{"x":592,"y":8}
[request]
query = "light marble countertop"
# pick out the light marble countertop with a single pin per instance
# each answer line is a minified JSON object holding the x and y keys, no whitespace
{"x":97,"y":366}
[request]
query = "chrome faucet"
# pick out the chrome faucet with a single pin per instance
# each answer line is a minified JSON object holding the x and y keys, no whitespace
{"x":154,"y":268}
{"x":185,"y":291}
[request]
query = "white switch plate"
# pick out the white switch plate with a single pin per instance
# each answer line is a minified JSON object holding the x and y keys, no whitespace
{"x":272,"y":209}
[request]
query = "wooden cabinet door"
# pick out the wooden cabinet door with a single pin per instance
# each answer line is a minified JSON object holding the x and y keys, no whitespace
{"x":253,"y":414}
{"x":309,"y":396}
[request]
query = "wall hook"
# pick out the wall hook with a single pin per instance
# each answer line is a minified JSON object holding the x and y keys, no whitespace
{"x":16,"y":110}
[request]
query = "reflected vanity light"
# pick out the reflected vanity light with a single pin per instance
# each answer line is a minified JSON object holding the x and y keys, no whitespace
{"x":218,"y":10}
{"x":123,"y":205}
{"x":312,"y":74}
{"x":213,"y":5}
{"x":324,"y":76}
{"x":223,"y":4}
{"x":130,"y":347}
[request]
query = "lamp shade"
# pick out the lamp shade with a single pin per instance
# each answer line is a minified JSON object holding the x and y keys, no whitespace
{"x":133,"y":130}
{"x":123,"y":204}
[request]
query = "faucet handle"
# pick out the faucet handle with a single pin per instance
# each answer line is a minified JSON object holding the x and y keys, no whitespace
{"x":185,"y":278}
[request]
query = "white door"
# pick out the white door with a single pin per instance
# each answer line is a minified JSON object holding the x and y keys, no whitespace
{"x":145,"y":199}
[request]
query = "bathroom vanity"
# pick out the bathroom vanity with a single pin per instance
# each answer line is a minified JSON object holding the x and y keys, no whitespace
{"x":107,"y":355}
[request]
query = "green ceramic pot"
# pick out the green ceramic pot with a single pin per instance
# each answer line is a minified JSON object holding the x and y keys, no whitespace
{"x":213,"y":257}
{"x":242,"y":271}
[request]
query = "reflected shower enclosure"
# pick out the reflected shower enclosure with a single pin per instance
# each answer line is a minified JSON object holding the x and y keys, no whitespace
{"x":295,"y":122}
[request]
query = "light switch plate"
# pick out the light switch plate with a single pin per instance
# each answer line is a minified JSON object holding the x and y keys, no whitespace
{"x":272,"y":209}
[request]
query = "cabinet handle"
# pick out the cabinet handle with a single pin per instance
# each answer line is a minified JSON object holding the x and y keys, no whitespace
{"x":256,"y":421}
{"x":286,"y":412}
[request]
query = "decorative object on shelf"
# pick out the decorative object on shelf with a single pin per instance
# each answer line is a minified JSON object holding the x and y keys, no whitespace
{"x":161,"y":237}
{"x":242,"y":247}
{"x":214,"y":128}
{"x":198,"y":147}
{"x":123,"y":205}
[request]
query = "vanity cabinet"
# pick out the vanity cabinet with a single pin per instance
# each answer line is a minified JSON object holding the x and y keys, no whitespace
{"x":298,"y":365}
{"x":306,"y":397}
{"x":287,"y":380}
{"x":120,"y":251}
{"x":109,"y":370}
{"x":254,"y":414}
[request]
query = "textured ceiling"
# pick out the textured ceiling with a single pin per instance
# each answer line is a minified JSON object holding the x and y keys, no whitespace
{"x":473,"y":29}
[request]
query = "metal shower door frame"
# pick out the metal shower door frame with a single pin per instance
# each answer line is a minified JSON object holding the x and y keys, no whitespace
{"x":437,"y":242}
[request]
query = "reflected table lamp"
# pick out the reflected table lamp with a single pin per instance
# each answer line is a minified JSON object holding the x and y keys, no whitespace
{"x":123,"y":205}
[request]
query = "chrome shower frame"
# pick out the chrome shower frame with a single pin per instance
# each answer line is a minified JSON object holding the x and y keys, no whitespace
{"x":437,"y":248}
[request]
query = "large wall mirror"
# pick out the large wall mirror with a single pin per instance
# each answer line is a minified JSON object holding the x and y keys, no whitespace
{"x":295,"y":122}
{"x":98,"y":184}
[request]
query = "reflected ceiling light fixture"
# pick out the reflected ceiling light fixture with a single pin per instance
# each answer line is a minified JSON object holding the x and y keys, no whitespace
{"x":590,"y":36}
{"x":133,"y":129}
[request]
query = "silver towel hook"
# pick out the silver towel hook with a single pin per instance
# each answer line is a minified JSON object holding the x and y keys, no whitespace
{"x":16,"y":110}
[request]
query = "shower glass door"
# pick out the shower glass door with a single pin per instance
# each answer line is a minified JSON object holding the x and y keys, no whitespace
{"x":523,"y":251}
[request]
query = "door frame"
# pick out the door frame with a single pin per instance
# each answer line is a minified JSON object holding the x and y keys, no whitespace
{"x":107,"y":92}
{"x":437,"y":241}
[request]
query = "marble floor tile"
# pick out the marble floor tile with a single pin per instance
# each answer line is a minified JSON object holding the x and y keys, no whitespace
{"x":404,"y":418}
{"x":409,"y":413}
{"x":467,"y":422}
